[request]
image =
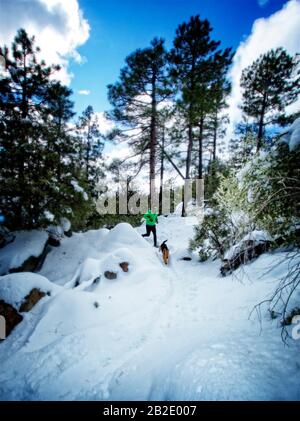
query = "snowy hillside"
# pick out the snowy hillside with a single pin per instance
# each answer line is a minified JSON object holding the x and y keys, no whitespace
{"x":179,"y":332}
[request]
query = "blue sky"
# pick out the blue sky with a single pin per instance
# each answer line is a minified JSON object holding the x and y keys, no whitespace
{"x":118,"y":27}
{"x":90,"y":39}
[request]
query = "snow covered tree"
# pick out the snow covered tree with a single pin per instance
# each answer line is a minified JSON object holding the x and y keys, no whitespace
{"x":269,"y":85}
{"x":243,"y":146}
{"x":263,"y":195}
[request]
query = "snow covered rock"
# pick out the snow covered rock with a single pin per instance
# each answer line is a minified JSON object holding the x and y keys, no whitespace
{"x":11,"y":316}
{"x":124,"y":266}
{"x":124,"y":235}
{"x":292,"y":138}
{"x":66,"y":226}
{"x":14,"y":288}
{"x":110,"y":275}
{"x":250,"y":247}
{"x":25,"y":253}
{"x":77,"y":254}
{"x":19,"y":293}
{"x":31,"y":300}
{"x":56,"y":233}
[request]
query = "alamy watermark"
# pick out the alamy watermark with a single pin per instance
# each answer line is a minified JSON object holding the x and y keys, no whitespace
{"x":296,"y":328}
{"x":2,"y":327}
{"x":2,"y":66}
{"x":121,"y":199}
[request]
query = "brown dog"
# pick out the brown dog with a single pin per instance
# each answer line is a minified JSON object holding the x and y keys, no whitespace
{"x":165,"y":252}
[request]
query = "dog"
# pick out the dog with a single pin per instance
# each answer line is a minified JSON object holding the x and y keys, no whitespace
{"x":165,"y":252}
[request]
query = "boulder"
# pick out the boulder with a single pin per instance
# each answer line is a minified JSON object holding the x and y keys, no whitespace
{"x":250,"y":252}
{"x":124,"y":266}
{"x":33,"y":263}
{"x":54,"y":242}
{"x":31,"y":300}
{"x":96,"y":280}
{"x":56,"y":234}
{"x":11,"y":316}
{"x":26,"y":253}
{"x":68,"y":233}
{"x":110,"y":275}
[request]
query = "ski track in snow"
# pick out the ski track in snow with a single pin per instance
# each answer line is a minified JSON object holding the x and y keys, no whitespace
{"x":179,"y":332}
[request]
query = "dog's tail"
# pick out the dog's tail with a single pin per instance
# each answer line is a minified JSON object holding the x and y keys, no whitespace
{"x":164,"y":242}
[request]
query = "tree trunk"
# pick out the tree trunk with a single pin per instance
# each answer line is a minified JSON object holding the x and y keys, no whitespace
{"x":58,"y":149}
{"x":261,"y":124}
{"x":88,"y":148}
{"x":190,"y":133}
{"x":215,"y":138}
{"x":153,"y":138}
{"x":200,"y":162}
{"x":172,"y":163}
{"x":162,"y":170}
{"x":22,"y":152}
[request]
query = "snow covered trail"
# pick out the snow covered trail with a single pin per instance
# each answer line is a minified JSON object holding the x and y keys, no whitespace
{"x":179,"y":332}
{"x":203,"y":339}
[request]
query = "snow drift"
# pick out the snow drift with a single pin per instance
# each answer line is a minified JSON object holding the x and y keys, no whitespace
{"x":155,"y":332}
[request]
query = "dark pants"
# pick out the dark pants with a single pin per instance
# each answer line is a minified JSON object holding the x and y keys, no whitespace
{"x":149,"y":229}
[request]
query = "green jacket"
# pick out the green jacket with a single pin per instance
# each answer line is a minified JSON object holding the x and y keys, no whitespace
{"x":151,"y":218}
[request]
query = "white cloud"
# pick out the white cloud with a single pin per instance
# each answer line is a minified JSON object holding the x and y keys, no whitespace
{"x":84,"y":92}
{"x":282,"y":29}
{"x":120,"y":151}
{"x":59,"y":27}
{"x":104,"y":124}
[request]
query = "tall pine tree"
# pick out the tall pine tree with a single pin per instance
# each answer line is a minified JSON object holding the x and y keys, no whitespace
{"x":269,"y":85}
{"x":197,"y":65}
{"x":136,"y":97}
{"x":37,"y":153}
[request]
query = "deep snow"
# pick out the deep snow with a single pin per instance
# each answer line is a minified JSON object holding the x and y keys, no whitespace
{"x":25,"y":245}
{"x":156,"y":333}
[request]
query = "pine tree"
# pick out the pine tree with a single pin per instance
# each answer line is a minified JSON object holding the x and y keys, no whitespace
{"x":61,"y":141}
{"x":22,"y":96}
{"x":269,"y":85}
{"x":38,"y":162}
{"x":142,"y":87}
{"x":197,"y":68}
{"x":90,"y":145}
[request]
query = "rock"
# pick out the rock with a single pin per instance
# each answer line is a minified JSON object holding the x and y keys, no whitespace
{"x":124,"y":266}
{"x":54,"y":242}
{"x":110,"y":275}
{"x":250,"y":252}
{"x":31,"y":300}
{"x":33,"y":263}
{"x":96,"y":280}
{"x":186,"y":259}
{"x":56,"y":234}
{"x":65,"y":225}
{"x":11,"y":316}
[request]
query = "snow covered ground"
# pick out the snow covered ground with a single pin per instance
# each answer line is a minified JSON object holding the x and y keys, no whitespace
{"x":180,"y":332}
{"x":25,"y":244}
